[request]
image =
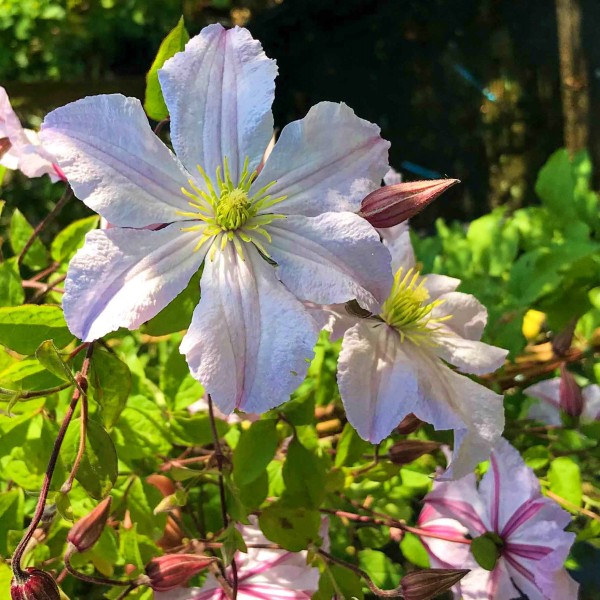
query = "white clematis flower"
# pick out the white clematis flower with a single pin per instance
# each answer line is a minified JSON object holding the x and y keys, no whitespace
{"x":267,"y":240}
{"x":507,"y":507}
{"x":395,"y":363}
{"x":21,"y":148}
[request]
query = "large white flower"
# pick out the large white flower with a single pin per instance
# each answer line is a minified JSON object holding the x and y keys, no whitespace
{"x":270,"y":240}
{"x":508,"y":508}
{"x":20,"y":148}
{"x":395,"y":363}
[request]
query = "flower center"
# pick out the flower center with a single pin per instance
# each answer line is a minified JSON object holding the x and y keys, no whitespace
{"x":233,"y":209}
{"x":227,"y":211}
{"x":408,"y":309}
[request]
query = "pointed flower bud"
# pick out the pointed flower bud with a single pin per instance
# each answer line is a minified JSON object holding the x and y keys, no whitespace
{"x":174,"y":570}
{"x":394,"y":204}
{"x":35,"y":585}
{"x":85,"y":533}
{"x":404,"y":452}
{"x":429,"y":583}
{"x":569,"y":393}
{"x":409,"y":424}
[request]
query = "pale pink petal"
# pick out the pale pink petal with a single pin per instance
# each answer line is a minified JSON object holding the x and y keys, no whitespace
{"x":247,"y":328}
{"x":558,"y":585}
{"x":444,"y":554}
{"x":219,"y":94}
{"x":507,"y":485}
{"x":397,"y":241}
{"x":377,"y":387}
{"x":467,"y":355}
{"x":591,"y":403}
{"x":123,"y":277}
{"x":334,"y":318}
{"x":439,"y":285}
{"x":480,"y":584}
{"x":392,"y":177}
{"x":449,"y":400}
{"x":114,"y":162}
{"x":331,"y":259}
{"x":546,"y":390}
{"x":545,"y":412}
{"x":469,"y":316}
{"x":326,"y":162}
{"x":459,"y":500}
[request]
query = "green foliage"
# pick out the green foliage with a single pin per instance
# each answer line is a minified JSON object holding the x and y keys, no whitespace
{"x":175,"y":41}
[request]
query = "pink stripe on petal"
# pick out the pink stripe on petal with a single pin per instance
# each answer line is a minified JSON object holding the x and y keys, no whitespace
{"x":264,"y":567}
{"x":461,"y":511}
{"x":528,"y":551}
{"x":523,"y":514}
{"x":495,"y":508}
{"x":514,"y":564}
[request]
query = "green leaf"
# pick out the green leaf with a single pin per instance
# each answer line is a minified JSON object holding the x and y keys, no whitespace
{"x":71,"y":238}
{"x":304,"y":475}
{"x":339,"y":582}
{"x":130,"y":549}
{"x":383,"y":572}
{"x":11,"y":516}
{"x":176,"y":39}
{"x":565,"y":479}
{"x":99,"y":467}
{"x":555,"y":183}
{"x":48,"y":355}
{"x":292,"y":528}
{"x":24,"y":328}
{"x":178,"y":314}
{"x":255,"y":450}
{"x":350,"y":448}
{"x":28,"y":375}
{"x":194,"y":430}
{"x":109,"y":385}
{"x":20,"y":232}
{"x":11,"y":289}
{"x":141,"y":500}
{"x":414,"y":551}
{"x":486,"y":550}
{"x":232,"y":542}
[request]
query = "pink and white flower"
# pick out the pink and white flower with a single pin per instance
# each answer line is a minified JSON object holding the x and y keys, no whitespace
{"x":262,"y":573}
{"x":396,"y":363}
{"x":21,"y":148}
{"x":267,"y":241}
{"x":562,"y":394}
{"x":528,"y":528}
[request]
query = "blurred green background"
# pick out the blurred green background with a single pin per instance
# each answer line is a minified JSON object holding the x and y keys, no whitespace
{"x":463,"y":88}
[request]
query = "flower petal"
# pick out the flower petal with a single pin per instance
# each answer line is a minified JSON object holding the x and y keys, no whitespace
{"x":377,"y":388}
{"x":331,"y":259}
{"x":219,"y":92}
{"x":397,"y":241}
{"x":480,"y":584}
{"x":469,"y":356}
{"x":469,"y":316}
{"x":507,"y":485}
{"x":247,"y":328}
{"x":326,"y":162}
{"x":591,"y":402}
{"x":114,"y":162}
{"x":123,"y":277}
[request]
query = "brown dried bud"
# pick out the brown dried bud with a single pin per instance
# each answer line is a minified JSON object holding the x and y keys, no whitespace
{"x":561,"y":344}
{"x":5,"y":146}
{"x":85,"y":533}
{"x":404,"y":452}
{"x":393,"y":204}
{"x":569,"y":393}
{"x":174,"y":570}
{"x":34,"y":585}
{"x":409,"y":424}
{"x":429,"y":583}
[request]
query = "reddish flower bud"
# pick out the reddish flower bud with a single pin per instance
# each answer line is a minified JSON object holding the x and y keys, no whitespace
{"x":85,"y":533}
{"x":393,"y":204}
{"x":174,"y":570}
{"x":34,"y":585}
{"x":569,"y":393}
{"x":409,"y":424}
{"x":4,"y":146}
{"x":404,"y":452}
{"x":429,"y":583}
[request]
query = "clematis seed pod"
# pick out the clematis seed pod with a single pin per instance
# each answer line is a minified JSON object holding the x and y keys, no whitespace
{"x":569,"y":393}
{"x":174,"y":570}
{"x":34,"y":585}
{"x":404,"y":452}
{"x":85,"y":533}
{"x":393,"y":204}
{"x":429,"y":583}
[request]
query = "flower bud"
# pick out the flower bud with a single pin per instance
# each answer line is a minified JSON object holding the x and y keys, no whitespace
{"x":34,"y":585}
{"x":85,"y":533}
{"x":429,"y":583}
{"x":174,"y":570}
{"x":409,"y":424}
{"x":393,"y":204}
{"x":404,"y":452}
{"x":4,"y":146}
{"x":569,"y":393}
